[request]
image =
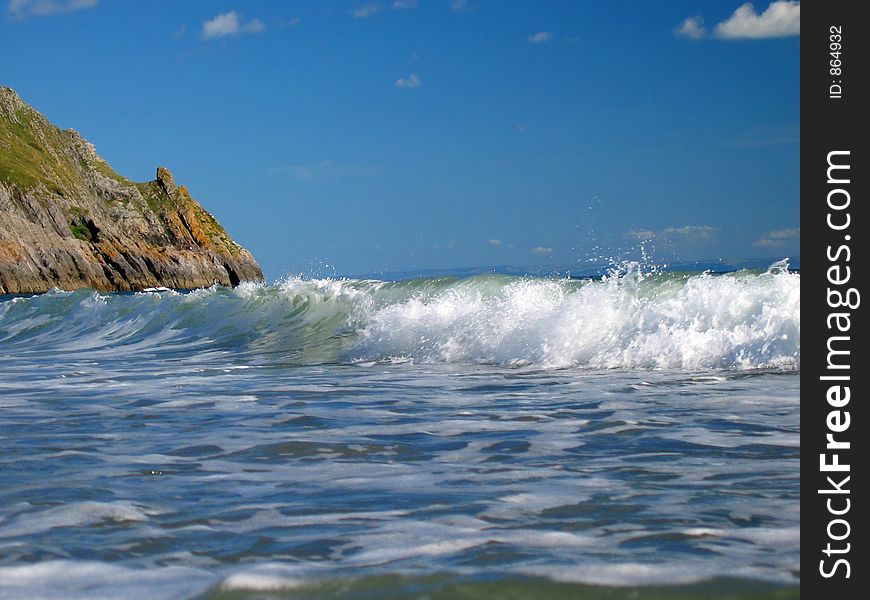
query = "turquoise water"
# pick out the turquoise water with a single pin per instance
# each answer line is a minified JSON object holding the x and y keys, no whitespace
{"x":481,"y":437}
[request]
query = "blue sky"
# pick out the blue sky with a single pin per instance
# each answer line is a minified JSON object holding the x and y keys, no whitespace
{"x":359,"y":137}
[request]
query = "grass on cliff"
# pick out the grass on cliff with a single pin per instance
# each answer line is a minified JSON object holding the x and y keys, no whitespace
{"x":34,"y":152}
{"x":157,"y":200}
{"x":24,"y":158}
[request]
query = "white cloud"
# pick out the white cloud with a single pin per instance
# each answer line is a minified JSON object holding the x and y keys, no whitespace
{"x":409,"y":82}
{"x":541,"y":250}
{"x":692,"y":28}
{"x":460,"y":6}
{"x":366,"y":10}
{"x":494,"y":242}
{"x":229,"y":24}
{"x":222,"y":24}
{"x":780,"y":237}
{"x":21,"y":9}
{"x":403,"y":4}
{"x":782,"y":18}
{"x":542,"y":37}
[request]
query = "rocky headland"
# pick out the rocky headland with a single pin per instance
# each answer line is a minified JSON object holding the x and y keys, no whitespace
{"x":68,"y":220}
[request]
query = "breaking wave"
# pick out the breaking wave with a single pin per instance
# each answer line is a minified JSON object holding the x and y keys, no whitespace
{"x":742,"y":320}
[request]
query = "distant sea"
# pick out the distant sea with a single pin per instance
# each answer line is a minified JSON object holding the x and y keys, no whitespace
{"x":459,"y":435}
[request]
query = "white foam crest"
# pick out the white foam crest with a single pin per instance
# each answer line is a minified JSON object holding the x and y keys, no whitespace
{"x":732,"y":321}
{"x":261,"y":580}
{"x":76,"y":514}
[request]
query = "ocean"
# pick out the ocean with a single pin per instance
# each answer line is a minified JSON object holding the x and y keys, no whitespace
{"x":491,"y":436}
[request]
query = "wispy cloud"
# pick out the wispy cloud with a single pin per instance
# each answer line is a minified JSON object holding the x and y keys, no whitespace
{"x":641,"y":235}
{"x":403,"y":4}
{"x":327,"y":169}
{"x":366,"y":10}
{"x":696,"y":232}
{"x":460,"y":6}
{"x":230,"y":24}
{"x":782,"y":18}
{"x":686,"y":233}
{"x":542,"y":37}
{"x":409,"y":82}
{"x":541,"y":250}
{"x":494,"y":242}
{"x":21,"y":9}
{"x":692,"y":28}
{"x":778,"y":238}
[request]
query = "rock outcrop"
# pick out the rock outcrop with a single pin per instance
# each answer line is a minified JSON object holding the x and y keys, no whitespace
{"x":67,"y":220}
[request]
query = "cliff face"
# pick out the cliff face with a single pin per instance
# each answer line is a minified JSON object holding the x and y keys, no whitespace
{"x":67,"y":220}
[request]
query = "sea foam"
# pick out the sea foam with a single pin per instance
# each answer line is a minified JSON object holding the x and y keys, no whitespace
{"x":736,"y":321}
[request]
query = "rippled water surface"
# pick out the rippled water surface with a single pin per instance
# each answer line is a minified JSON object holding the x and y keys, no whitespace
{"x":442,"y":439}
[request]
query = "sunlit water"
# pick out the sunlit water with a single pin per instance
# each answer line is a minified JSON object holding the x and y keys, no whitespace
{"x":435,"y":438}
